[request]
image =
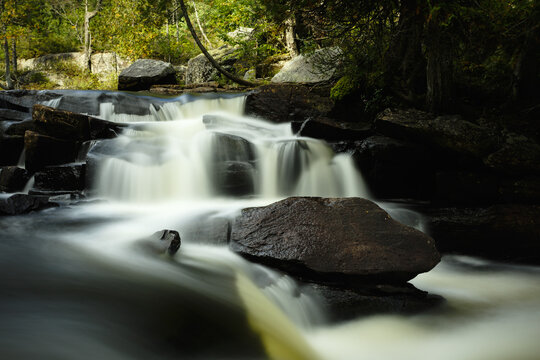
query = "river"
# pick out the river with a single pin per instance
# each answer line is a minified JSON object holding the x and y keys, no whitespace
{"x":87,"y":281}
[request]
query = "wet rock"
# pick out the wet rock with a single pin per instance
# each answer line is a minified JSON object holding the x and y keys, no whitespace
{"x":227,"y":147}
{"x":11,"y":148}
{"x":235,"y":178}
{"x":69,"y":177}
{"x":344,"y":304}
{"x":164,"y":241}
{"x":331,"y":130}
{"x":68,"y":125}
{"x":332,"y":240}
{"x":19,"y":128}
{"x":42,"y":151}
{"x":395,"y":168}
{"x":13,"y":178}
{"x":449,"y":132}
{"x":288,"y":102}
{"x":508,"y":232}
{"x":13,"y":115}
{"x":21,"y":203}
{"x":314,"y":68}
{"x":144,"y":73}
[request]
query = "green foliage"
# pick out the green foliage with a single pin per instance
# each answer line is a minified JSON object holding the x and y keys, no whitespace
{"x":345,"y":86}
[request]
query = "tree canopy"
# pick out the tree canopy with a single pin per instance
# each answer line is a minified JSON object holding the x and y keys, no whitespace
{"x":426,"y":53}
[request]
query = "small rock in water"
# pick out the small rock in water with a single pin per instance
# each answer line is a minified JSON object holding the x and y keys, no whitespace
{"x":171,"y":237}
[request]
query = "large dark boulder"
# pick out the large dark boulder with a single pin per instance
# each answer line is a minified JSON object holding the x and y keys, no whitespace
{"x":396,"y":168}
{"x":288,"y":102}
{"x":42,"y":151}
{"x":333,"y":240}
{"x":13,"y":178}
{"x":449,"y":132}
{"x":144,"y":73}
{"x":508,"y":232}
{"x":21,"y":203}
{"x":11,"y":148}
{"x":70,"y":177}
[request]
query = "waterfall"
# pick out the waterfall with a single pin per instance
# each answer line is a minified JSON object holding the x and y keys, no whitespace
{"x":197,"y":149}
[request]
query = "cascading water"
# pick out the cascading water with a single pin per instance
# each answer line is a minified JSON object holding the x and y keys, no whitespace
{"x":193,"y":151}
{"x":90,"y":285}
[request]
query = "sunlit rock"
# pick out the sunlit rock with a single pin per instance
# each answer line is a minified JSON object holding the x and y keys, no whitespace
{"x":144,"y":73}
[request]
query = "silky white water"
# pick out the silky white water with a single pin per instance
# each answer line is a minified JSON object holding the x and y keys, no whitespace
{"x":91,"y":283}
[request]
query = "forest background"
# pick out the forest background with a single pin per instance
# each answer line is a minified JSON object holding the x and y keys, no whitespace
{"x":437,"y":55}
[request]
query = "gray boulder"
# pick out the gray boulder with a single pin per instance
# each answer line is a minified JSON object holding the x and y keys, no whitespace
{"x":333,"y":240}
{"x":317,"y":67}
{"x":144,"y":73}
{"x":200,"y":70}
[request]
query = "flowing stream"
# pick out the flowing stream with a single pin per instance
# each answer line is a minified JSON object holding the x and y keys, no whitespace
{"x":87,"y":281}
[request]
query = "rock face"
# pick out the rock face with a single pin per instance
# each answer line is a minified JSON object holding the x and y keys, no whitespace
{"x":285,"y":103}
{"x":332,"y":240}
{"x":200,"y":70}
{"x":317,"y":67}
{"x":144,"y":73}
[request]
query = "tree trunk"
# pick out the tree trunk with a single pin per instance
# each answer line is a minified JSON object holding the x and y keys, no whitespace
{"x":200,"y":26}
{"x":14,"y":54}
{"x":205,"y":52}
{"x":439,"y":70}
{"x":176,"y":21}
{"x":89,"y":15}
{"x":290,"y":36}
{"x":525,"y":74}
{"x":405,"y":65}
{"x":9,"y":82}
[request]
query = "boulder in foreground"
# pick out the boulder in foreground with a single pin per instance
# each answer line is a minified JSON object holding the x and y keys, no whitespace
{"x":333,"y":240}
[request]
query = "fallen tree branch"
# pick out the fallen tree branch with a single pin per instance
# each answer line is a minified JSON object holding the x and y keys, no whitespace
{"x":208,"y":56}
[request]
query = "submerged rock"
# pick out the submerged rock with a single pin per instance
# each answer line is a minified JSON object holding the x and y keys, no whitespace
{"x":344,"y":304}
{"x":235,"y":178}
{"x":144,"y":73}
{"x":333,"y":240}
{"x":21,"y":203}
{"x":167,"y":241}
